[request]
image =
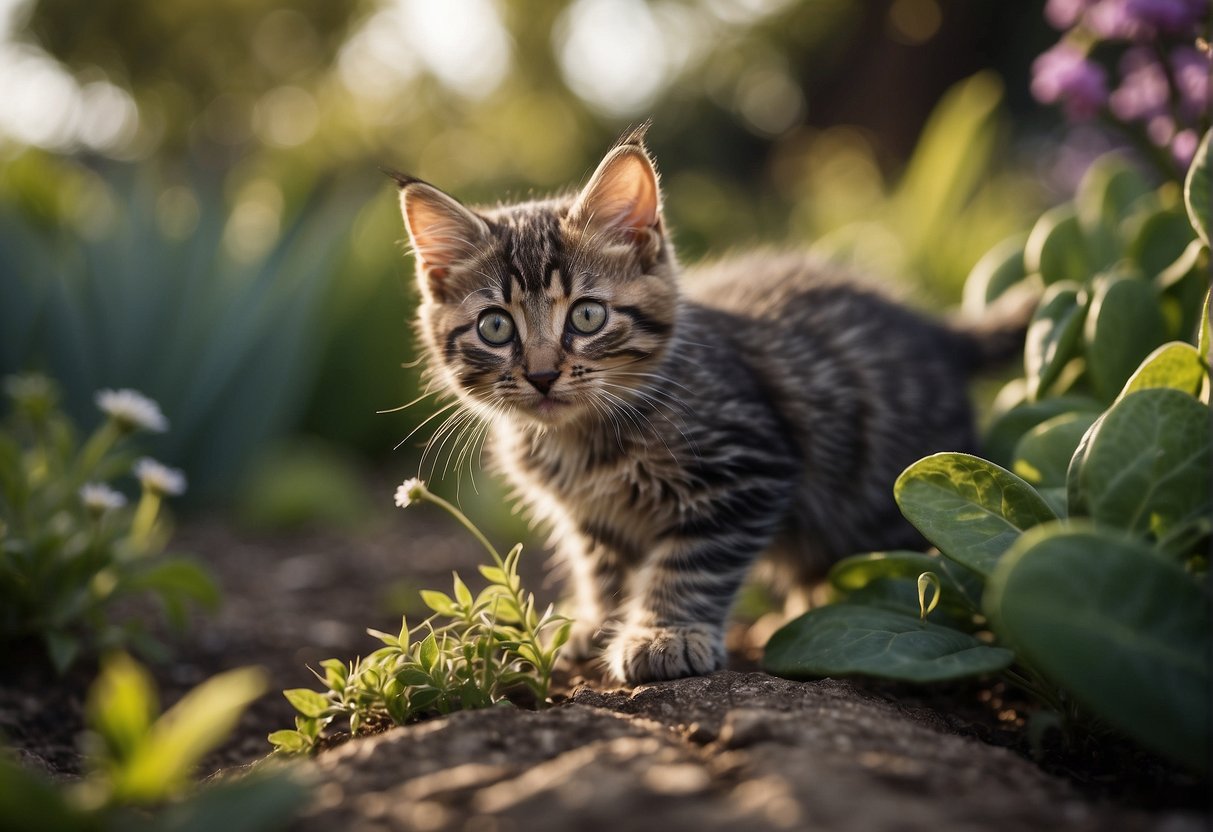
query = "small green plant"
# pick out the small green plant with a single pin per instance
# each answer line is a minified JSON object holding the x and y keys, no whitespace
{"x":70,"y":546}
{"x":1081,"y":574}
{"x":140,"y":766}
{"x":475,"y":651}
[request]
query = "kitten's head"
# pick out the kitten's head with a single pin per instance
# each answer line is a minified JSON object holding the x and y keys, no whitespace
{"x":548,"y":311}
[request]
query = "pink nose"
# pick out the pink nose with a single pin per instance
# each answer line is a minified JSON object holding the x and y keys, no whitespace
{"x":542,"y":381}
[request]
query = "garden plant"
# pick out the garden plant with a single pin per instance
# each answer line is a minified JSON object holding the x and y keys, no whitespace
{"x":71,"y":545}
{"x":1079,"y":571}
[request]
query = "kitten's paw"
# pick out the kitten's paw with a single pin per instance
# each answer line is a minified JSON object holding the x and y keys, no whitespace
{"x":651,"y":654}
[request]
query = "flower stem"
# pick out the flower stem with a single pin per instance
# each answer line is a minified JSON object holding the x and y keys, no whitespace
{"x":467,"y":524}
{"x":144,"y":520}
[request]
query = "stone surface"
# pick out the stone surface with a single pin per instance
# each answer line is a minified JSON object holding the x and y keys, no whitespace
{"x":732,"y":751}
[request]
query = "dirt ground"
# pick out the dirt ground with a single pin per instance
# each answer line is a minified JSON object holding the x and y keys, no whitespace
{"x":690,"y":754}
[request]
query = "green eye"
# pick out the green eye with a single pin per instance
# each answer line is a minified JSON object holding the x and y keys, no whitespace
{"x":495,"y":327}
{"x":587,"y":316}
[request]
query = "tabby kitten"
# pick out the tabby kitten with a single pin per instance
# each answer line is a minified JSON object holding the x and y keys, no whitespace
{"x":671,"y":427}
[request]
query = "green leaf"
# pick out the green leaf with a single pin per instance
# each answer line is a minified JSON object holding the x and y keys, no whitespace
{"x":1163,"y":238}
{"x":1106,"y":195}
{"x":1056,"y":248}
{"x":1146,"y":464}
{"x":1053,"y":336}
{"x":1197,"y":194}
{"x":428,"y":653}
{"x":177,"y":576}
{"x":998,"y":270}
{"x":61,"y":648}
{"x":290,"y":742}
{"x":846,"y":640}
{"x":31,"y":801}
{"x":122,"y":704}
{"x":1124,"y":631}
{"x":1007,"y":429}
{"x":1042,"y":456}
{"x":196,"y":724}
{"x":1123,"y":326}
{"x":1175,"y":365}
{"x":971,"y":509}
{"x":961,"y":588}
{"x":439,"y":602}
{"x":413,"y":677}
{"x":462,"y":594}
{"x":494,"y":574}
{"x":307,"y":702}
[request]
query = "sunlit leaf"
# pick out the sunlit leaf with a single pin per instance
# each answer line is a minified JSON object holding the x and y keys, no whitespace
{"x":1056,"y":249}
{"x":1197,"y":192}
{"x":307,"y":702}
{"x":971,"y":509}
{"x":1053,"y":336}
{"x":1175,"y":365}
{"x":1042,"y":456}
{"x":122,"y":704}
{"x":1123,"y":326}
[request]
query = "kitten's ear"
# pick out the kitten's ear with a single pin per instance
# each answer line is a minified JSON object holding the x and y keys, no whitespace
{"x":622,"y":198}
{"x":441,"y":230}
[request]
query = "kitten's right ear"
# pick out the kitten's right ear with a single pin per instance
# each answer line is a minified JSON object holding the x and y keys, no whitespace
{"x":441,"y":230}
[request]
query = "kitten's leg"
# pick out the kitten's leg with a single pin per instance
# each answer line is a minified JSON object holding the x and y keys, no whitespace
{"x":598,"y":578}
{"x":680,"y":598}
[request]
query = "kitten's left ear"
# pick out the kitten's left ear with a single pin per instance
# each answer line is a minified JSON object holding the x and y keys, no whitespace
{"x":622,"y":199}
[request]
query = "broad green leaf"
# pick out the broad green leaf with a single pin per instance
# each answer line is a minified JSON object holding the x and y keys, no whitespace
{"x":968,"y":507}
{"x":1124,"y":631}
{"x":1106,"y":196}
{"x":1183,"y":286}
{"x":1009,"y":427}
{"x":178,"y":740}
{"x":428,"y":654}
{"x":307,"y":702}
{"x":1123,"y":326}
{"x":1146,"y":466}
{"x":1056,"y":248}
{"x":1042,"y":456}
{"x":122,"y":704}
{"x":999,"y":269}
{"x":179,"y":576}
{"x":1197,"y":193}
{"x":1053,"y":336}
{"x":1163,"y":238}
{"x":1175,"y":365}
{"x":848,"y":640}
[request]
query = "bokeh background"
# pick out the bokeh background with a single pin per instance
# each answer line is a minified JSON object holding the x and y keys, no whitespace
{"x":191,"y":203}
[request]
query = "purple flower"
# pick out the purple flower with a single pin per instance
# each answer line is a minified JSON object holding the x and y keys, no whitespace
{"x":1143,"y":89}
{"x":1113,"y":20}
{"x":1063,"y":74}
{"x":1063,"y":14}
{"x":1183,"y":147}
{"x":1166,"y":15}
{"x":1191,"y":68}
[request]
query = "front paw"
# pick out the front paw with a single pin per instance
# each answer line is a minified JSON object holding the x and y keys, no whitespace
{"x":651,"y":654}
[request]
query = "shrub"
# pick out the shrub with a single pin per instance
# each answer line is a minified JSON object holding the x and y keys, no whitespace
{"x":1080,"y":574}
{"x":70,"y":546}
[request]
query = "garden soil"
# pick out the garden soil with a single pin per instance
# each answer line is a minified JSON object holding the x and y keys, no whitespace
{"x":738,"y":750}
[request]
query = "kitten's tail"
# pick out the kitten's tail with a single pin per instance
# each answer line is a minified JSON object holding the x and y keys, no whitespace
{"x":997,"y":337}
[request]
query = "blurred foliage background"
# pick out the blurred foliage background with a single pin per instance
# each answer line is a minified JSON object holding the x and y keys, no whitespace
{"x":190,"y":201}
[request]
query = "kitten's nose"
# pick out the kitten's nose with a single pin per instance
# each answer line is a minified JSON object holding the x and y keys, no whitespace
{"x":542,"y":381}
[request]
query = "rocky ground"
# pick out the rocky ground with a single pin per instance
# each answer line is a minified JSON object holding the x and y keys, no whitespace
{"x":736,"y":750}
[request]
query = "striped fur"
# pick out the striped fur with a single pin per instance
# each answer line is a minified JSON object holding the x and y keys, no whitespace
{"x":761,"y":405}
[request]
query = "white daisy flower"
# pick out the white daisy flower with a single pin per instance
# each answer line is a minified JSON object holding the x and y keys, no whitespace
{"x":409,"y":492}
{"x":132,"y":410}
{"x":99,"y":498}
{"x":160,"y":479}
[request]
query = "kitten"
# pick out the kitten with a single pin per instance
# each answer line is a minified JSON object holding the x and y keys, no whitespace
{"x":672,"y":427}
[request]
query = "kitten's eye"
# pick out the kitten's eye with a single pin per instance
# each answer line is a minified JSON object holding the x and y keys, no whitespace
{"x":587,"y":316}
{"x":495,"y":327}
